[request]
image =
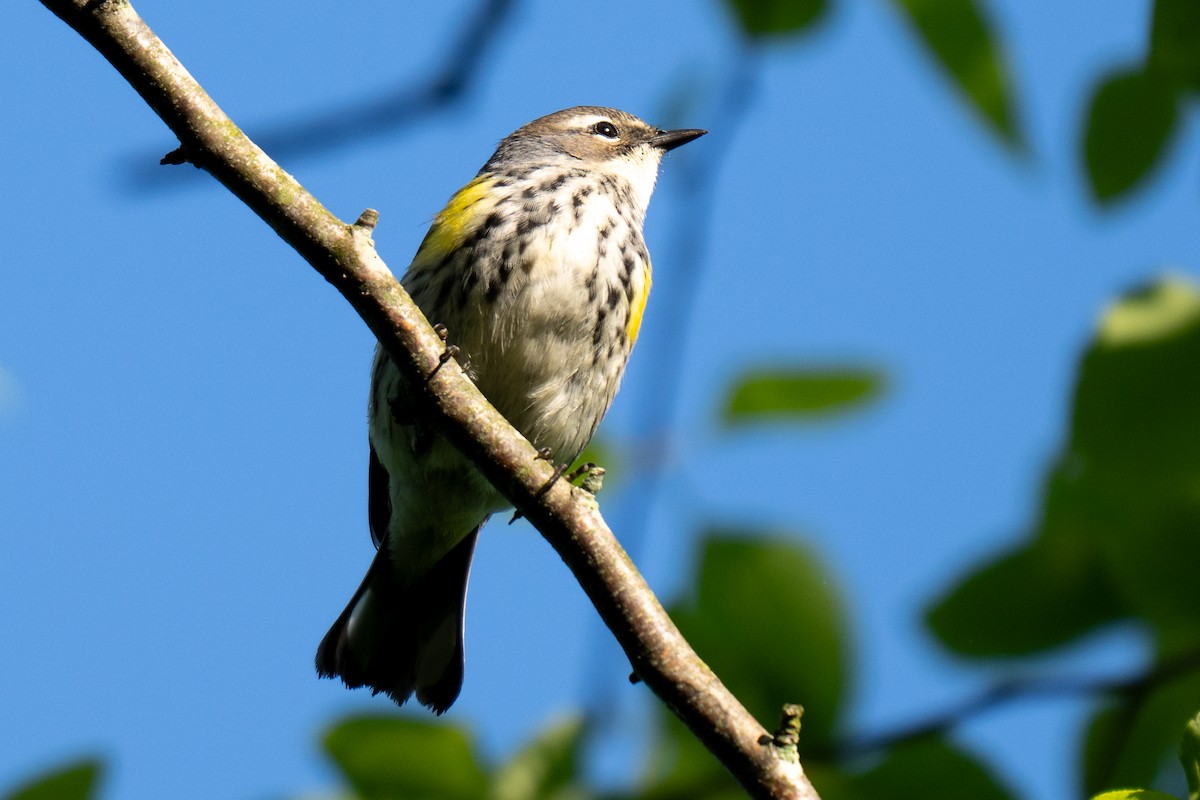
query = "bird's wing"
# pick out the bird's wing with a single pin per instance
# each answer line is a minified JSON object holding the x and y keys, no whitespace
{"x":379,"y":500}
{"x":465,"y":212}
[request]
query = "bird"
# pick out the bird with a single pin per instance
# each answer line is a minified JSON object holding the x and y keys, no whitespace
{"x":537,"y":274}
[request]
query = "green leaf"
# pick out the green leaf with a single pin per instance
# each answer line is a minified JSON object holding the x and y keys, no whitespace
{"x":1135,"y":794}
{"x":75,"y":781}
{"x":928,"y":769}
{"x":1038,"y":596}
{"x":1130,"y":121}
{"x":1135,"y":450}
{"x":783,"y":394}
{"x":1117,"y":534}
{"x":682,"y":769}
{"x":1189,"y":756}
{"x":392,"y":757}
{"x":958,"y":35}
{"x":1175,"y":42}
{"x":760,"y":18}
{"x":1014,"y":606}
{"x":834,"y":782}
{"x":1128,"y":741}
{"x":767,"y":620}
{"x":545,"y":769}
{"x":599,"y":452}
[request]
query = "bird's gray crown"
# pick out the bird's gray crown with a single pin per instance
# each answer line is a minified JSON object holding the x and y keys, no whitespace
{"x":588,"y":134}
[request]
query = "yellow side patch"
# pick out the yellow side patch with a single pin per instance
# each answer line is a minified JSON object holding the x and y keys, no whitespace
{"x":637,"y":306}
{"x":453,"y":223}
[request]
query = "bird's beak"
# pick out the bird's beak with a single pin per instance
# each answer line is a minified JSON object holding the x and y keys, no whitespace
{"x":669,"y":140}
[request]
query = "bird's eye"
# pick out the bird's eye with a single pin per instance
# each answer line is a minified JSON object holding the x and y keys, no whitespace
{"x":606,"y":129}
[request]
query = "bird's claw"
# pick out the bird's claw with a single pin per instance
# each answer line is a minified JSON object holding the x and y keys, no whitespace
{"x":558,"y":473}
{"x":543,"y":454}
{"x":450,"y":352}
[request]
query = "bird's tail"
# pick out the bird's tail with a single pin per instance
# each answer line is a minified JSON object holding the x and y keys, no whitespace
{"x":399,"y":639}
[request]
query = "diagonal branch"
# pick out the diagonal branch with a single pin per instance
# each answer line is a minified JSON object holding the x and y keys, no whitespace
{"x":567,"y":517}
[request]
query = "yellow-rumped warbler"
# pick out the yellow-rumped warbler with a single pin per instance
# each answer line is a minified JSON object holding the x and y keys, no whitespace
{"x":538,"y":270}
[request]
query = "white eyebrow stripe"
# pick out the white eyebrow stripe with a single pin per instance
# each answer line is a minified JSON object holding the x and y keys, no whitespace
{"x":585,"y":120}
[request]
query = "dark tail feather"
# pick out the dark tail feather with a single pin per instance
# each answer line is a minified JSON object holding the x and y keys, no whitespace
{"x":404,"y":639}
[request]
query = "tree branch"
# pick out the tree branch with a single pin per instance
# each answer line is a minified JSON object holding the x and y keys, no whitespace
{"x":345,"y":256}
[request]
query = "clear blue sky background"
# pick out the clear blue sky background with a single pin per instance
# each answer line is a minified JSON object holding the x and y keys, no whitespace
{"x":182,"y":438}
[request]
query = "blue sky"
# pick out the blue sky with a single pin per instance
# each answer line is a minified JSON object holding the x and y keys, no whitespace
{"x":182,"y":401}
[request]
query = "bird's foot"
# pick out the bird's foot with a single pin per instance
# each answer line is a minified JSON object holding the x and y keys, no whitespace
{"x":590,"y":477}
{"x":450,"y":352}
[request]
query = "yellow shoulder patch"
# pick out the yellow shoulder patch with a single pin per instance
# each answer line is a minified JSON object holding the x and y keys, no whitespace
{"x":637,"y":306}
{"x":460,"y":217}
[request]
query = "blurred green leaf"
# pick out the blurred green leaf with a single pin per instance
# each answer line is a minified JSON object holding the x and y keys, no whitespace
{"x":75,"y":781}
{"x":1118,"y":531}
{"x":928,"y":769}
{"x":1040,"y":595}
{"x":767,"y":620}
{"x":547,"y":768}
{"x":609,"y":456}
{"x":1036,"y":597}
{"x":399,"y":757}
{"x":1175,"y":42}
{"x":1135,"y":794}
{"x":1153,"y":563}
{"x":1128,"y":741}
{"x":958,"y":35}
{"x":780,"y":394}
{"x":682,"y":769}
{"x":1189,"y":756}
{"x":833,"y":782}
{"x":1136,"y":398}
{"x":599,"y":452}
{"x":776,"y":17}
{"x":1135,"y":450}
{"x":1130,"y":120}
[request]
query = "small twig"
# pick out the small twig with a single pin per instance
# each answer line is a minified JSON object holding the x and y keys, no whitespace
{"x":367,"y":221}
{"x":593,"y":480}
{"x":176,"y":157}
{"x":786,"y":739}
